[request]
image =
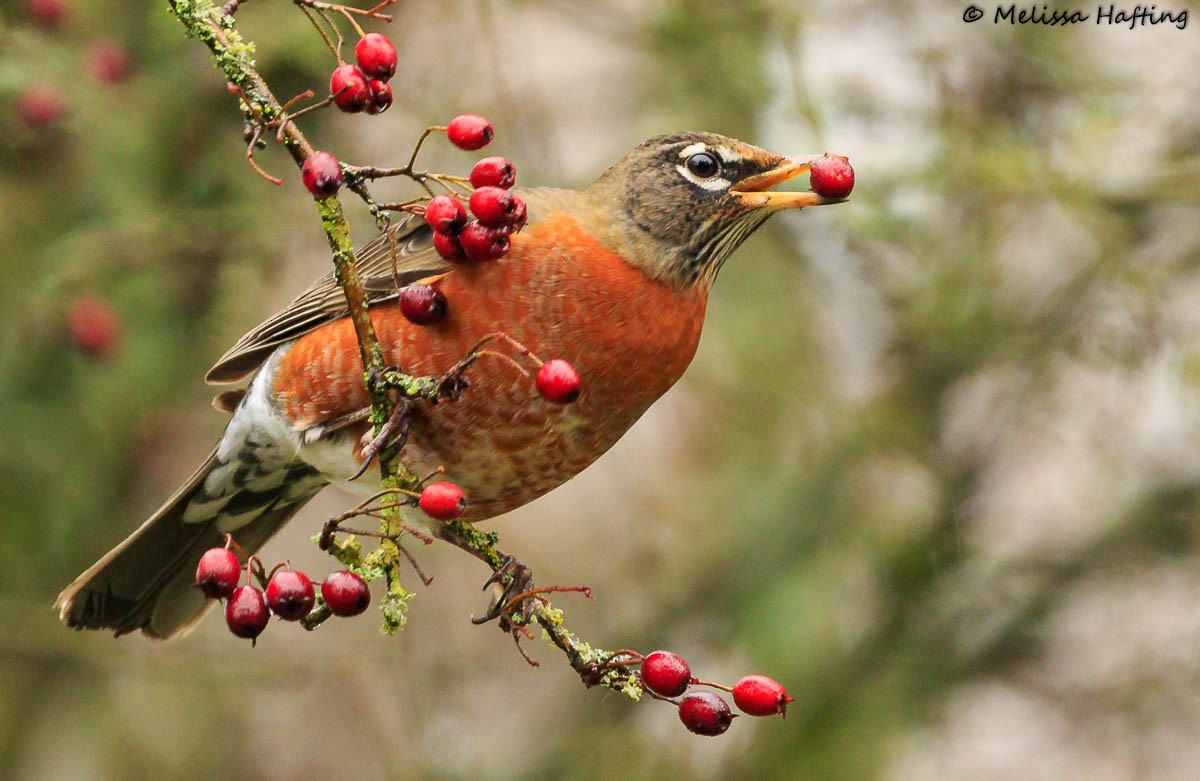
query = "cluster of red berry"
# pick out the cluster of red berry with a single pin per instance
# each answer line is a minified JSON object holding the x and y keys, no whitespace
{"x":41,"y":104}
{"x":665,"y":674}
{"x":289,"y":593}
{"x":364,"y":87}
{"x":496,"y":213}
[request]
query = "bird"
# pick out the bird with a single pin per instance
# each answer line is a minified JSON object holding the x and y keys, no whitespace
{"x":614,"y":277}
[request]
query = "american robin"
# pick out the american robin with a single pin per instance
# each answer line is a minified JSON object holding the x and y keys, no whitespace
{"x":614,"y":278}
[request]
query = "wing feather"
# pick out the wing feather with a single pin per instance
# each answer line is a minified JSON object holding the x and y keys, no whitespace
{"x":401,"y":255}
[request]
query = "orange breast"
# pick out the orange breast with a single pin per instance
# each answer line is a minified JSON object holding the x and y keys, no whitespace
{"x":561,"y":294}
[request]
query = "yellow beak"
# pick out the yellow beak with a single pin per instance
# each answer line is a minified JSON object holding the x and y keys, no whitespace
{"x":755,"y":192}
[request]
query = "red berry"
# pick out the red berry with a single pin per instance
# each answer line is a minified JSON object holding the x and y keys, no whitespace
{"x":492,"y":205}
{"x":442,"y":500}
{"x":518,"y":216}
{"x":470,"y":132}
{"x":831,"y":176}
{"x":218,"y":573}
{"x":381,"y":97}
{"x":759,"y":695}
{"x":348,"y":85}
{"x":704,"y":713}
{"x":448,"y":246}
{"x":108,"y":62}
{"x":290,"y":594}
{"x":376,"y":56}
{"x":246,"y":612}
{"x":666,"y":673}
{"x":40,"y":105}
{"x":493,"y":172}
{"x":484,"y":242}
{"x":422,"y":304}
{"x":94,"y":327}
{"x":47,"y":14}
{"x":558,"y":382}
{"x":322,"y":174}
{"x":445,"y":214}
{"x":345,"y":593}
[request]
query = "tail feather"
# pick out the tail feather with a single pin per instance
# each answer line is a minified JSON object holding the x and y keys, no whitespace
{"x":147,"y":582}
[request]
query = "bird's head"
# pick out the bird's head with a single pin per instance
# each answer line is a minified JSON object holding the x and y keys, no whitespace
{"x":688,"y":200}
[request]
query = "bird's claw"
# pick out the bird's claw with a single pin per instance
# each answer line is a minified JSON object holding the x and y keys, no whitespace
{"x":514,"y":579}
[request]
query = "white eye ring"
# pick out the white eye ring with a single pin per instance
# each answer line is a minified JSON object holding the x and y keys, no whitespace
{"x":712,"y":184}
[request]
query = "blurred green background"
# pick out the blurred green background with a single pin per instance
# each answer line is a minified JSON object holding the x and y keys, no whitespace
{"x":936,"y":466}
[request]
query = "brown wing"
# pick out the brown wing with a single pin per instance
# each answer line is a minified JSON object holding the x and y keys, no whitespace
{"x":393,"y":259}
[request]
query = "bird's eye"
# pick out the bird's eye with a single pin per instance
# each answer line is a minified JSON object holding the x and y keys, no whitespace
{"x":703,"y":165}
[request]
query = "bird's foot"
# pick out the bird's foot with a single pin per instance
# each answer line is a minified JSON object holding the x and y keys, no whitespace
{"x":393,"y":434}
{"x":511,"y":603}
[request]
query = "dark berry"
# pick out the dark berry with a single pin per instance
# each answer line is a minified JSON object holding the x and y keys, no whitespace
{"x":470,"y":132}
{"x":381,"y":97}
{"x":492,"y":205}
{"x":93,"y":326}
{"x":445,"y":214}
{"x":518,"y":215}
{"x":345,"y":593}
{"x":40,"y":105}
{"x":448,"y":246}
{"x":290,"y":594}
{"x":444,"y":501}
{"x":493,"y":172}
{"x":704,"y":713}
{"x":831,"y":176}
{"x":759,"y":695}
{"x":218,"y":573}
{"x":558,"y":382}
{"x":484,"y":242}
{"x":422,"y":304}
{"x":376,"y":56}
{"x":666,"y":673}
{"x":47,"y":14}
{"x":322,"y":174}
{"x":246,"y":612}
{"x":108,"y":61}
{"x":348,"y":85}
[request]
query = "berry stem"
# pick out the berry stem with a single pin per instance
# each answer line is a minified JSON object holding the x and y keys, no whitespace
{"x":721,"y":686}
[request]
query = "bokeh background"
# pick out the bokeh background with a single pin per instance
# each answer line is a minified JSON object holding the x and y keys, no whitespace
{"x":936,"y":466}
